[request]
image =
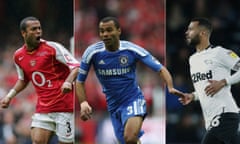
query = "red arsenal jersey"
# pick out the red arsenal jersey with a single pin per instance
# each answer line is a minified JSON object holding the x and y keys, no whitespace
{"x":47,"y":67}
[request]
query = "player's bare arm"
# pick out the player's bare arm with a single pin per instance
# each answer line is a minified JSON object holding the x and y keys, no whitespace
{"x":86,"y":110}
{"x":67,"y":85}
{"x":166,"y":76}
{"x":186,"y":99}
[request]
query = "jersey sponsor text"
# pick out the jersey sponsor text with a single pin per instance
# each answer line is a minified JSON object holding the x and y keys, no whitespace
{"x":113,"y":72}
{"x":196,"y":77}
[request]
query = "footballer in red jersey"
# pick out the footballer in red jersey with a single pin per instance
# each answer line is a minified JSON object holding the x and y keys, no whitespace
{"x":47,"y":67}
{"x":52,"y":69}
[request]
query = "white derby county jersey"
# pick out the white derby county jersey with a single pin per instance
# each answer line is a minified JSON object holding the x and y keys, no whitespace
{"x":213,"y":64}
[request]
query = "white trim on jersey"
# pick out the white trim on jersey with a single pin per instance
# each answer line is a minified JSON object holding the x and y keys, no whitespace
{"x":89,"y":57}
{"x":63,"y":55}
{"x":124,"y":45}
{"x":133,"y":47}
{"x":91,"y":50}
{"x":20,"y":72}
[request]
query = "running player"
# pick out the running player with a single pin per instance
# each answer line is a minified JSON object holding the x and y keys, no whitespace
{"x":52,"y":70}
{"x":114,"y":61}
{"x":210,"y":68}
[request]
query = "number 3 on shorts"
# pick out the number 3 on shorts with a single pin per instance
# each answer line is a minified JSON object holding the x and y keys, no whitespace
{"x":69,"y":129}
{"x":137,"y":107}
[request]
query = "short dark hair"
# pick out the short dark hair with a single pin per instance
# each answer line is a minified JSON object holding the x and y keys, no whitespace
{"x":23,"y":23}
{"x":204,"y":22}
{"x":115,"y":20}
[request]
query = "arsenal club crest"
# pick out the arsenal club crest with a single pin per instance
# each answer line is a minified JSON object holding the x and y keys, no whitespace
{"x":32,"y":62}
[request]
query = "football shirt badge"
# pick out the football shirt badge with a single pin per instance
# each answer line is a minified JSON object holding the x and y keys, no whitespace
{"x":123,"y":60}
{"x":32,"y":62}
{"x":232,"y":54}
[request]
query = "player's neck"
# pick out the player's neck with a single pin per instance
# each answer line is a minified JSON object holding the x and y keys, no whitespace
{"x":113,"y":48}
{"x":203,"y":46}
{"x":31,"y":47}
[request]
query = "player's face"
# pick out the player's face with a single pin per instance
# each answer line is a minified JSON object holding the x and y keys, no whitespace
{"x":32,"y":34}
{"x":193,"y":34}
{"x":109,"y":34}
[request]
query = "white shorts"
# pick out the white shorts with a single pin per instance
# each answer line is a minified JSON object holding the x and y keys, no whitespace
{"x":62,"y":123}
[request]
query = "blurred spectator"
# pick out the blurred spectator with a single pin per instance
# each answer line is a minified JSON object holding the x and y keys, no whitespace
{"x":9,"y":135}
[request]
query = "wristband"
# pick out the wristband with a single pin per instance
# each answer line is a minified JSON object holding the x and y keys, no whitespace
{"x":195,"y":96}
{"x":12,"y":93}
{"x":67,"y":83}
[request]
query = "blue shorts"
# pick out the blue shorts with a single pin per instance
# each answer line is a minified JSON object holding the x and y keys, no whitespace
{"x":123,"y":113}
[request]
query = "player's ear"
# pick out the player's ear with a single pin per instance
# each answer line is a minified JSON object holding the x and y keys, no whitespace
{"x":23,"y":33}
{"x":119,"y":31}
{"x":203,"y":33}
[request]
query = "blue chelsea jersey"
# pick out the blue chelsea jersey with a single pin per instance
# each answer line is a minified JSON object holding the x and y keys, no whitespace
{"x":116,"y":71}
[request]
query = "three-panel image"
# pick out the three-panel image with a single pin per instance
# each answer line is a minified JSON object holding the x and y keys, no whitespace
{"x":119,"y":72}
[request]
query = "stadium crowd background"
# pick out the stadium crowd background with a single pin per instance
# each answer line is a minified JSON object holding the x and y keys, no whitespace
{"x":142,"y":22}
{"x":185,"y":123}
{"x":56,"y":17}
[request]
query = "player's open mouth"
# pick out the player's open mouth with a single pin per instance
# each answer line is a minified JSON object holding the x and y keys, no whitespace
{"x":107,"y":40}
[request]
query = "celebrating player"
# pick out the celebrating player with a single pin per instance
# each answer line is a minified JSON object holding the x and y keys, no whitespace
{"x":210,"y":68}
{"x":52,"y":70}
{"x":114,"y":61}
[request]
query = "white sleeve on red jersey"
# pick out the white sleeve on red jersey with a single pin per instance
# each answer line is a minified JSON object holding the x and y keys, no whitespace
{"x":64,"y":56}
{"x":19,"y":72}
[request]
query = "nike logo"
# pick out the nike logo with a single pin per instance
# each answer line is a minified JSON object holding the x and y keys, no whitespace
{"x":20,"y":58}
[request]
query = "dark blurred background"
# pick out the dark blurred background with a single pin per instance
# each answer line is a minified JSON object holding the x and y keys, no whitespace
{"x":185,"y":124}
{"x":56,"y":17}
{"x":142,"y":22}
